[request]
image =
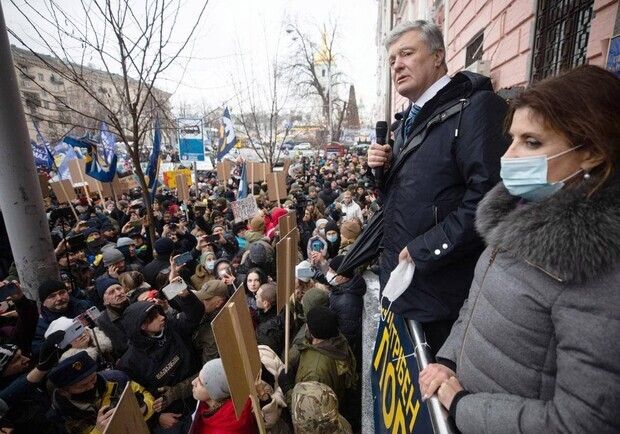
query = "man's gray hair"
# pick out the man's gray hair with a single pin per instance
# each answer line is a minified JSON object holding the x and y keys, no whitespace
{"x":431,"y":34}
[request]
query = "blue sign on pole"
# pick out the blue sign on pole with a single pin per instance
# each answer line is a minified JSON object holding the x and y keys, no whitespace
{"x":191,"y":145}
{"x":613,"y":56}
{"x":397,"y":402}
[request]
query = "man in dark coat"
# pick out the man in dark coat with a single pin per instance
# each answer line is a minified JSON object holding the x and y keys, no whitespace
{"x":55,"y":302}
{"x":158,"y":356}
{"x":446,"y":154}
{"x":270,"y":328}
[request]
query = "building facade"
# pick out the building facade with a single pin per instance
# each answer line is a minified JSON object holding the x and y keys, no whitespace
{"x":514,"y":42}
{"x":59,"y":107}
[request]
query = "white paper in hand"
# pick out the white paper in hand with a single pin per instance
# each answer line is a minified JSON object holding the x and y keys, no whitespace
{"x":399,"y":280}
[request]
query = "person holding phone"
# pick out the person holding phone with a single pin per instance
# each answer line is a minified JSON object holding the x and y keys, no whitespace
{"x":159,"y":358}
{"x":84,"y":398}
{"x":19,"y":331}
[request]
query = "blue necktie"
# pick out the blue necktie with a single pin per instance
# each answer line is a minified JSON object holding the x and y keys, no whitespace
{"x":410,"y":118}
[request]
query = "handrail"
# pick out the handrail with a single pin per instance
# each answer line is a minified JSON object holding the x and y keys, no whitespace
{"x":438,"y":414}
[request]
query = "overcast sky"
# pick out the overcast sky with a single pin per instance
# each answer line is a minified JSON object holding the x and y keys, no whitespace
{"x":246,"y":32}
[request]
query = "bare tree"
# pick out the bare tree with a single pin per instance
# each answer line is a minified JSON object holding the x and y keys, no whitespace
{"x":132,"y":45}
{"x":264,"y":113}
{"x":314,"y":69}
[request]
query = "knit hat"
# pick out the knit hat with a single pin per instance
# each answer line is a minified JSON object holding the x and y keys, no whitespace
{"x":302,"y":265}
{"x":213,"y":377}
{"x":124,"y":241}
{"x":7,"y":351}
{"x":48,"y":287}
{"x":258,"y":255}
{"x":322,"y":322}
{"x":350,"y":230}
{"x":257,"y":224}
{"x":72,"y":370}
{"x":335,"y":263}
{"x":62,"y":323}
{"x":331,"y":226}
{"x":164,"y":246}
{"x":111,"y":256}
{"x":211,"y":289}
{"x":314,"y":297}
{"x":320,"y":222}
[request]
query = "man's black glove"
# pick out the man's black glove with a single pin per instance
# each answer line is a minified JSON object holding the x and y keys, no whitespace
{"x":50,"y":351}
{"x":286,"y":381}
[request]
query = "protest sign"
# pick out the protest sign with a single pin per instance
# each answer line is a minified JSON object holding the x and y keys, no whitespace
{"x":287,"y":223}
{"x":170,"y":177}
{"x":45,"y":187}
{"x":276,"y":186}
{"x":63,"y":190}
{"x":191,"y":146}
{"x":244,"y":209}
{"x":224,"y":168}
{"x":236,"y":343}
{"x":127,"y":417}
{"x":257,"y":172}
{"x":286,"y":260}
{"x":397,"y":401}
{"x":182,"y":189}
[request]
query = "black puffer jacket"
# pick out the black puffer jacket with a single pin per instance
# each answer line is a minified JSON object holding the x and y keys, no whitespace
{"x":166,"y":360}
{"x":432,"y":189}
{"x":347,"y":302}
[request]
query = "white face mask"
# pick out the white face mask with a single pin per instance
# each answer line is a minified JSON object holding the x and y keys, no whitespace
{"x":210,"y":265}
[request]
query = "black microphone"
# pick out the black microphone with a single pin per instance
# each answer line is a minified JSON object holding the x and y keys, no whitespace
{"x":381,"y":130}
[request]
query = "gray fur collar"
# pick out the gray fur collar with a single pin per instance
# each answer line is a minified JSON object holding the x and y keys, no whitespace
{"x":570,"y":237}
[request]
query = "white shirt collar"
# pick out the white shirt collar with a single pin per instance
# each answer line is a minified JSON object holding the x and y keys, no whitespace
{"x":432,"y":91}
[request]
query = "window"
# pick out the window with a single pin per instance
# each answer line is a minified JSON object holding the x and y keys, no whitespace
{"x":473,"y":51}
{"x":561,"y":38}
{"x":40,"y":76}
{"x":32,"y":100}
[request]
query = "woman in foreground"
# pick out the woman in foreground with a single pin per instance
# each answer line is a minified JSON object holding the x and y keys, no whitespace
{"x":536,"y":347}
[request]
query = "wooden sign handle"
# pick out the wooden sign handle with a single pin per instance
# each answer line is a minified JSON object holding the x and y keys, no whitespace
{"x":247,"y":369}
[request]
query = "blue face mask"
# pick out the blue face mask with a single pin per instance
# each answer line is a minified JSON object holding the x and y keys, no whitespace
{"x":332,"y":238}
{"x":526,"y":177}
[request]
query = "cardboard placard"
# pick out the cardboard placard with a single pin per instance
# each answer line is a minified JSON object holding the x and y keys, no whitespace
{"x":182,"y":189}
{"x":45,"y":186}
{"x":276,"y":186}
{"x":286,"y":166}
{"x":170,"y":177}
{"x":286,"y":260}
{"x":63,"y":190}
{"x":236,"y":343}
{"x":77,"y":169}
{"x":287,"y":223}
{"x":127,"y":417}
{"x":224,"y":169}
{"x":129,"y":183}
{"x":244,"y":209}
{"x":257,"y":172}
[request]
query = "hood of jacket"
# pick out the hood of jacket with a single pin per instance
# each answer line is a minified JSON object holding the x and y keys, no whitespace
{"x":336,"y":348}
{"x":569,"y":236}
{"x":132,"y":321}
{"x":356,"y":286}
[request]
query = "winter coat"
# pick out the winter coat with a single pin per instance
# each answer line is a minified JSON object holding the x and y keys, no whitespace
{"x":162,"y":361}
{"x":270,"y":330}
{"x":224,"y":420}
{"x":431,"y":191}
{"x":330,"y":362}
{"x":347,"y":302}
{"x":110,"y":323}
{"x":537,"y":343}
{"x":81,"y":418}
{"x":22,"y":331}
{"x":46,"y":317}
{"x":152,"y":269}
{"x":272,"y":411}
{"x":204,"y":339}
{"x":351,"y":211}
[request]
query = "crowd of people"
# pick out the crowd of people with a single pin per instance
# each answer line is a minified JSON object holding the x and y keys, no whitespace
{"x":509,"y":213}
{"x":113,"y":292}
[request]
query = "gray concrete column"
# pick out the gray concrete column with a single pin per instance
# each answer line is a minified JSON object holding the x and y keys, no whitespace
{"x":20,"y":193}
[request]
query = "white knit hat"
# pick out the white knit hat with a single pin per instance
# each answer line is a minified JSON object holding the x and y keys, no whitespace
{"x":62,"y":323}
{"x":213,"y":377}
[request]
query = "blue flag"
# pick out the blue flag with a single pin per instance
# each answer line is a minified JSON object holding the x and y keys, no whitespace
{"x":63,"y":152}
{"x":100,"y":157}
{"x":242,"y":192}
{"x":227,"y":136}
{"x":151,"y":170}
{"x":40,"y":151}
